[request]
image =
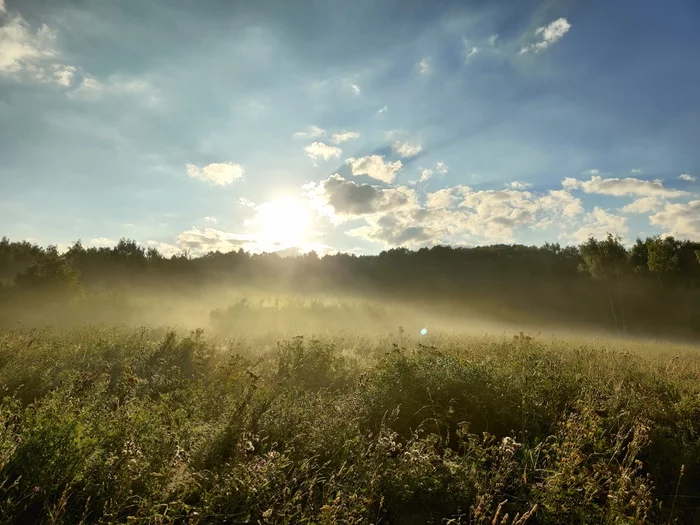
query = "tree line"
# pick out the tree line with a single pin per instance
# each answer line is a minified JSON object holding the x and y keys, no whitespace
{"x":651,"y":287}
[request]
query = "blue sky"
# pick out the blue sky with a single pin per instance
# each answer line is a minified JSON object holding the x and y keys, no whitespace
{"x":351,"y":126}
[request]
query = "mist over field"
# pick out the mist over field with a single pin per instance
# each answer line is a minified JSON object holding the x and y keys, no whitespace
{"x":499,"y":384}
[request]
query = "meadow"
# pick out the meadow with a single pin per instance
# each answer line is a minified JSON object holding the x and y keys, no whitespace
{"x":120,"y":424}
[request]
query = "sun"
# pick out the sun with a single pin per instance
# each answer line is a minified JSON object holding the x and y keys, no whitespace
{"x":282,"y":223}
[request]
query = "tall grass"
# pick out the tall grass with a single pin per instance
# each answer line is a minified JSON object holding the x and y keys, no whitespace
{"x":117,"y":425}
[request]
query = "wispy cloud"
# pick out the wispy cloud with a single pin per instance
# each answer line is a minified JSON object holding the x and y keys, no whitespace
{"x":314,"y":131}
{"x":406,"y":149}
{"x":344,"y":136}
{"x":621,"y":187}
{"x":424,"y":66}
{"x":426,"y":174}
{"x":548,"y":35}
{"x":220,"y":174}
{"x":492,"y":40}
{"x":382,"y":110}
{"x":518,"y":185}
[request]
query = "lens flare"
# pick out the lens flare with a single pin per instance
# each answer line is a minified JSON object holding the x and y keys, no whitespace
{"x":424,"y":331}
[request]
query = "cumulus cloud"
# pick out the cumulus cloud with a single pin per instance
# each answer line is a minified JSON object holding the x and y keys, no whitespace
{"x":101,"y":242}
{"x":2,"y":7}
{"x":447,"y":197}
{"x":347,"y":198}
{"x":318,"y":150}
{"x":598,"y":223}
{"x":441,"y":168}
{"x":424,"y":66}
{"x":548,"y":35}
{"x":314,"y":131}
{"x":622,"y":187}
{"x":25,"y":51}
{"x":687,"y":177}
{"x":344,"y":136}
{"x":406,"y":149}
{"x":518,"y":185}
{"x":221,"y":174}
{"x":166,"y":249}
{"x":643,"y":205}
{"x":679,"y":220}
{"x":375,"y":166}
{"x":458,"y":215}
{"x":211,"y":219}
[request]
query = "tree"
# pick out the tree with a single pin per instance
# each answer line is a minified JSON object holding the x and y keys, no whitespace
{"x":606,"y":260}
{"x":52,"y":274}
{"x":663,"y":256}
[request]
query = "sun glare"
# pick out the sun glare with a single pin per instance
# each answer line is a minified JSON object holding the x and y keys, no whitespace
{"x":283,"y":223}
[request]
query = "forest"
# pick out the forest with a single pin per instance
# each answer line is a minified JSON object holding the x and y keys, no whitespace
{"x":650,"y":288}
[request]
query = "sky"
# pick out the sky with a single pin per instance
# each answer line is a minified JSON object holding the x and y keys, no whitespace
{"x":353,"y":126}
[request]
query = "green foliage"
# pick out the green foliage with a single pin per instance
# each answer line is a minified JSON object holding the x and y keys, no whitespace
{"x":51,"y":275}
{"x":142,"y":426}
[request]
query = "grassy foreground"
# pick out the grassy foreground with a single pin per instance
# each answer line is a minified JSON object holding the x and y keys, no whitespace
{"x":116,"y":425}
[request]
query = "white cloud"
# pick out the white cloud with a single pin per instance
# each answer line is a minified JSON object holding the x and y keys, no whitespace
{"x":644,"y":205}
{"x":679,"y":220}
{"x":318,"y":150}
{"x":441,"y":168}
{"x":64,"y":75}
{"x":165,"y":249}
{"x":355,"y":89}
{"x":635,"y":170}
{"x":211,"y":219}
{"x":549,"y":35}
{"x":424,"y":66}
{"x":101,"y":242}
{"x":406,"y":149}
{"x":458,"y":215}
{"x":492,"y":40}
{"x":447,"y":197}
{"x":221,"y":174}
{"x":621,"y":187}
{"x":344,"y":136}
{"x":314,"y":131}
{"x":472,"y":51}
{"x":598,"y":223}
{"x":2,"y":7}
{"x":518,"y":185}
{"x":687,"y":177}
{"x":91,"y":84}
{"x":592,"y":172}
{"x":425,"y":175}
{"x":375,"y":167}
{"x":24,"y":51}
{"x":382,"y":110}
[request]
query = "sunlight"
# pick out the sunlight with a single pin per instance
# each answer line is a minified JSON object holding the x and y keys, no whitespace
{"x":283,"y":222}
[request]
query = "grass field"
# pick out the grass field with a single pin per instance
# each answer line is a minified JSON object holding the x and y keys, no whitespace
{"x":124,"y":425}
